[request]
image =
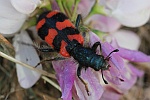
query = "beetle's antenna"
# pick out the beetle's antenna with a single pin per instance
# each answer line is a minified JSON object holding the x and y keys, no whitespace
{"x":103,"y":77}
{"x":107,"y":58}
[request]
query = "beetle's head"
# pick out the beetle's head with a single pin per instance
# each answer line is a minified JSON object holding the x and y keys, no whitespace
{"x":102,"y":63}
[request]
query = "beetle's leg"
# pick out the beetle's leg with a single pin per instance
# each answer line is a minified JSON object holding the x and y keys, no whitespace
{"x":78,"y":21}
{"x":46,"y":49}
{"x":95,"y":45}
{"x":103,"y":77}
{"x":42,"y":48}
{"x":78,"y":74}
{"x":53,"y":59}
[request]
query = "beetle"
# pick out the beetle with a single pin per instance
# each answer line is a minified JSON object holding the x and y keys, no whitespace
{"x":58,"y":31}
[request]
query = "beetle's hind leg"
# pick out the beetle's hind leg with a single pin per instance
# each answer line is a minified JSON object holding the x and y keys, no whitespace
{"x":79,"y":74}
{"x":50,"y":59}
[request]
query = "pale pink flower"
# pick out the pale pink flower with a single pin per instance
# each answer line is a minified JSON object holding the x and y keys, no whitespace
{"x":120,"y":74}
{"x":125,"y":39}
{"x":13,"y":14}
{"x":119,"y":12}
{"x":132,"y":13}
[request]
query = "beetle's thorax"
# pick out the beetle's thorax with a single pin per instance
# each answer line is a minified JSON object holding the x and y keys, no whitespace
{"x":86,"y":56}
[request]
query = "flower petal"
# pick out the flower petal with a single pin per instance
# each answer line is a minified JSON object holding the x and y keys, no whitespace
{"x":27,"y":54}
{"x":25,"y":6}
{"x":136,"y":71}
{"x":66,"y":71}
{"x":104,"y":23}
{"x":84,"y":7}
{"x":125,"y":38}
{"x":115,"y":58}
{"x":10,"y":26}
{"x":94,"y":86}
{"x":128,"y":83}
{"x":55,"y":5}
{"x":93,"y":38}
{"x":130,"y":75}
{"x":132,"y":16}
{"x":114,"y":75}
{"x":132,"y":19}
{"x":110,"y":93}
{"x":10,"y":19}
{"x":133,"y":55}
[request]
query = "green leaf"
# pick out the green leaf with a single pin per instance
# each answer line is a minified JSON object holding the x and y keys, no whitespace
{"x":99,"y":33}
{"x":30,"y":22}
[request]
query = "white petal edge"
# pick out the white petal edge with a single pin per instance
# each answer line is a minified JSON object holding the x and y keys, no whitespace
{"x":8,"y":11}
{"x":128,"y":14}
{"x":27,"y":54}
{"x":25,"y":6}
{"x":10,"y":26}
{"x":10,"y":19}
{"x":104,"y":23}
{"x":132,"y":19}
{"x":126,"y":39}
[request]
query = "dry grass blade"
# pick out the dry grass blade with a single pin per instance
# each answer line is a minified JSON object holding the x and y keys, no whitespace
{"x":26,"y":65}
{"x":7,"y":46}
{"x":51,"y":82}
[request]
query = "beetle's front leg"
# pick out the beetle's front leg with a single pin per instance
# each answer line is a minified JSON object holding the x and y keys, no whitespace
{"x":95,"y":45}
{"x":79,"y":74}
{"x":78,"y":21}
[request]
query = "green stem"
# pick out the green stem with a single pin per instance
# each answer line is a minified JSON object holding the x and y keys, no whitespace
{"x":88,"y":16}
{"x":91,"y":12}
{"x":59,"y":2}
{"x":75,"y":9}
{"x":66,"y":9}
{"x":96,"y":9}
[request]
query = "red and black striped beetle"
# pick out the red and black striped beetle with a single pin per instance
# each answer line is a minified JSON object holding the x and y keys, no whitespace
{"x":57,"y":30}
